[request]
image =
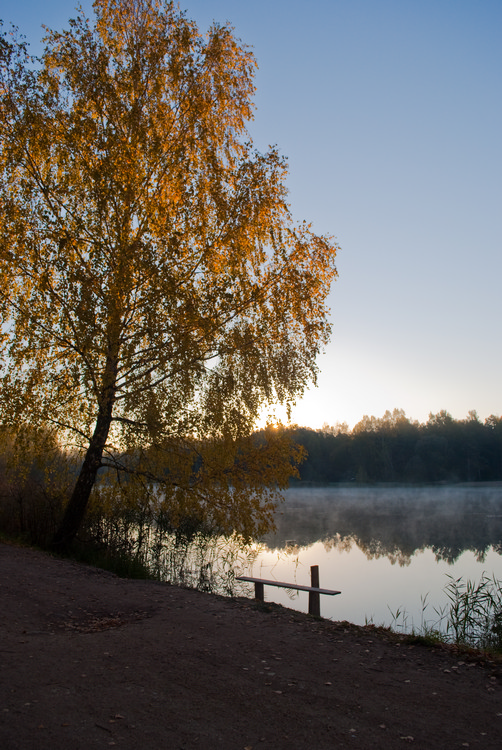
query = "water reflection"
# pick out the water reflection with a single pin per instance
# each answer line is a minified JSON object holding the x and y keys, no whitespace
{"x":395,"y":522}
{"x":388,"y":549}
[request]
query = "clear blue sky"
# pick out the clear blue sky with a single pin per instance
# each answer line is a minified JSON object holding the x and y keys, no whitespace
{"x":390,"y":112}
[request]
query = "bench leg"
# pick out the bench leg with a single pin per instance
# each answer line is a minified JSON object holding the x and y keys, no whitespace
{"x":259,"y":591}
{"x":314,"y":598}
{"x":314,"y":604}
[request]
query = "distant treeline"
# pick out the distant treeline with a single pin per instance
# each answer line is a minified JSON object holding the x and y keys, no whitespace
{"x":395,"y":449}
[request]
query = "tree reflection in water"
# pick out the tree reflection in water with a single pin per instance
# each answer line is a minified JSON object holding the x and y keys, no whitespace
{"x":394,"y":522}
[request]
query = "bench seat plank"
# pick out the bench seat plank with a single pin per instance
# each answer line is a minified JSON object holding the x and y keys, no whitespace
{"x":283,"y":585}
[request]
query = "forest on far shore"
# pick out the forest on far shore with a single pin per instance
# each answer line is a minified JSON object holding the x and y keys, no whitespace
{"x":394,"y":448}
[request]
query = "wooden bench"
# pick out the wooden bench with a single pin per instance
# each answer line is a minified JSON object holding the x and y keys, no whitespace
{"x":314,"y":590}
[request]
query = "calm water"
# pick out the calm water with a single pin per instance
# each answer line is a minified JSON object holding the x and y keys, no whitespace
{"x":388,"y":550}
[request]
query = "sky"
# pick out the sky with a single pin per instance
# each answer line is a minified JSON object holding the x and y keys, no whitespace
{"x":390,"y":114}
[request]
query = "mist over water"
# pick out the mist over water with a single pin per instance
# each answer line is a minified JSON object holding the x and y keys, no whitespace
{"x":388,"y":549}
{"x":393,"y":521}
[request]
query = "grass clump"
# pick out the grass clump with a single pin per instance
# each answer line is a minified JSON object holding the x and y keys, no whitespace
{"x":471,"y":618}
{"x":475,"y":612}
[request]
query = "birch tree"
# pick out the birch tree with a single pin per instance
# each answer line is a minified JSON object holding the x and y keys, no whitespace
{"x":155,"y":293}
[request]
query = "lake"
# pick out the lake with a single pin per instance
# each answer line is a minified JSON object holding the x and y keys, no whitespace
{"x":389,"y":550}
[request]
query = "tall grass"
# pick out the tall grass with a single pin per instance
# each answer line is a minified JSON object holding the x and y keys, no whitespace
{"x":475,"y":612}
{"x":141,"y":536}
{"x":471,"y":616}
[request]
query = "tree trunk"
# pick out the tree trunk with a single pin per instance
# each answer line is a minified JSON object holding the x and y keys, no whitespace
{"x":77,"y":505}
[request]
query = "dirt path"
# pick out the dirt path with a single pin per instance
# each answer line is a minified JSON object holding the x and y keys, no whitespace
{"x":89,"y":660}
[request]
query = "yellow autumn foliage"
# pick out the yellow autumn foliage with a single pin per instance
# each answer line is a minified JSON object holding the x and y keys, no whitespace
{"x":155,"y":294}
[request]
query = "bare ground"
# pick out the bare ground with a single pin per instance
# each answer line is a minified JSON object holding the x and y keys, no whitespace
{"x":89,"y":660}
